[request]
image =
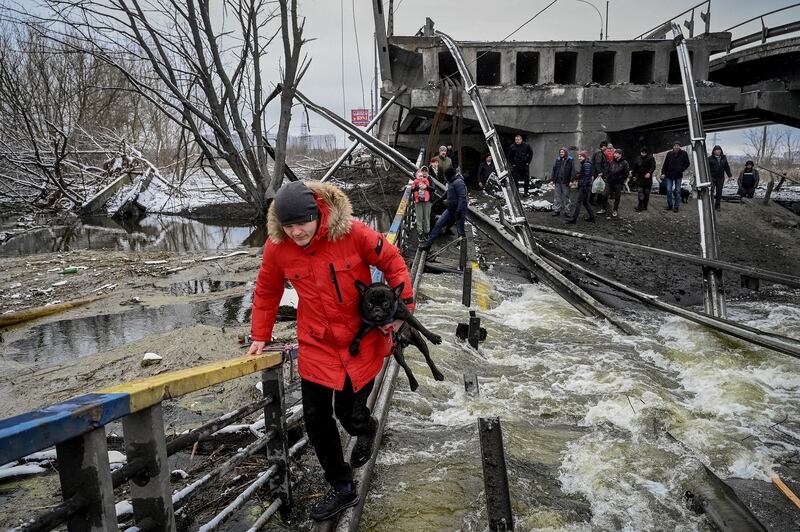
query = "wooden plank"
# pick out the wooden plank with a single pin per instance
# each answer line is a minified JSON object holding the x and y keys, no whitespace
{"x":33,"y":431}
{"x":149,"y":391}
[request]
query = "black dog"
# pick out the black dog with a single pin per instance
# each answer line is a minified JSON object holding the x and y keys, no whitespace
{"x":380,"y":305}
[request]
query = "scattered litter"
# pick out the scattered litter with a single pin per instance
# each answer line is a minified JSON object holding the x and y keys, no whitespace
{"x":60,"y":283}
{"x":54,"y":302}
{"x":109,"y":286}
{"x":71,"y":269}
{"x":173,"y":270}
{"x":260,"y":387}
{"x":21,"y":471}
{"x":542,"y":205}
{"x":151,"y":359}
{"x":132,"y":301}
{"x":179,"y":473}
{"x":233,"y":254}
{"x":154,"y":262}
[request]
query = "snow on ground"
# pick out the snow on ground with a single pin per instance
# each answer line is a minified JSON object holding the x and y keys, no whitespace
{"x":196,"y":190}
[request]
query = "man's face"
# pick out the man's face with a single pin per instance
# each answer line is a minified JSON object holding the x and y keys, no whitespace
{"x":676,"y":148}
{"x":617,"y":155}
{"x":643,"y":154}
{"x":717,"y":152}
{"x":518,"y":139}
{"x":489,"y":159}
{"x":562,"y":153}
{"x":301,"y":234}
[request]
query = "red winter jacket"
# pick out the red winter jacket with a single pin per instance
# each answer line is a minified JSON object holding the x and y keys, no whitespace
{"x":324,"y":273}
{"x":421,"y":195}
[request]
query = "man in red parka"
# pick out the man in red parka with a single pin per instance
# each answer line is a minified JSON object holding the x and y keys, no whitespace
{"x":316,"y":245}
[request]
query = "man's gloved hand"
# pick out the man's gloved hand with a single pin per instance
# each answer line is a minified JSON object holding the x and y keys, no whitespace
{"x":256,"y":348}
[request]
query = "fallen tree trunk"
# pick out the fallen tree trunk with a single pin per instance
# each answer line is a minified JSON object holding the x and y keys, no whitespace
{"x":14,"y":318}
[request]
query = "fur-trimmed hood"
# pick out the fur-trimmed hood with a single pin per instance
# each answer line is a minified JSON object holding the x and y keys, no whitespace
{"x":336,"y":212}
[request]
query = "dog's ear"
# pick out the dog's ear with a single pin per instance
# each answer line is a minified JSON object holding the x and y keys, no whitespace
{"x":399,"y":289}
{"x":361,"y":287}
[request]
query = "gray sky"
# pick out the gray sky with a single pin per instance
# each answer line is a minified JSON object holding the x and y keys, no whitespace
{"x":485,"y":20}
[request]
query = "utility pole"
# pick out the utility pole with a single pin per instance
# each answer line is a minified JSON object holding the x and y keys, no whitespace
{"x":713,"y":290}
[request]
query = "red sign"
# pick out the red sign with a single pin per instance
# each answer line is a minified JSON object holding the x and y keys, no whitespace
{"x":360,"y":117}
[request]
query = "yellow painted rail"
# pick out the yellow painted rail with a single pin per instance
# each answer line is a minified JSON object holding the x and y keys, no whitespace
{"x":149,"y":391}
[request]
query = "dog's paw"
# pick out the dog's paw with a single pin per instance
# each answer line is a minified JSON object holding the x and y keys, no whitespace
{"x":413,"y":384}
{"x":436,"y":339}
{"x":437,"y":375}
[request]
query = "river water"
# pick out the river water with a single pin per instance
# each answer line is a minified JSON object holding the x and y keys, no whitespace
{"x":583,"y":409}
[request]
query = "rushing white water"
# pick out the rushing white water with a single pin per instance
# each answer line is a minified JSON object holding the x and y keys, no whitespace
{"x":583,"y":412}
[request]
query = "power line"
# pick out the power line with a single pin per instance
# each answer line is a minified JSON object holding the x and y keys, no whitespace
{"x":344,"y":98}
{"x":358,"y":56}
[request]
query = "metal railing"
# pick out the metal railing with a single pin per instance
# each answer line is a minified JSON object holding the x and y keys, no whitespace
{"x":665,"y":28}
{"x":766,"y":32}
{"x":77,"y":430}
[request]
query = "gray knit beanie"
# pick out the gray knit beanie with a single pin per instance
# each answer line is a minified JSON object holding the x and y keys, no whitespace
{"x":295,"y":204}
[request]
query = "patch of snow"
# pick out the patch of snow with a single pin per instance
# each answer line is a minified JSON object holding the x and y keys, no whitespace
{"x":21,"y":471}
{"x":123,"y":508}
{"x":41,"y":456}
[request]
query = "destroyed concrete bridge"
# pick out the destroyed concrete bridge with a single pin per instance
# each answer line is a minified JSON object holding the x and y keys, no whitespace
{"x":577,"y":93}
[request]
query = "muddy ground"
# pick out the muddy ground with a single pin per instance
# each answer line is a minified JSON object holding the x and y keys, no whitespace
{"x":750,"y":233}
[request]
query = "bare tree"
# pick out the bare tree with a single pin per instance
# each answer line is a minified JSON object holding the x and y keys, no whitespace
{"x":762,"y":144}
{"x":204,"y":71}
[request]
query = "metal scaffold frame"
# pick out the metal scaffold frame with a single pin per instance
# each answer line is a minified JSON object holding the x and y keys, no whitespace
{"x":713,"y":289}
{"x":517,"y":215}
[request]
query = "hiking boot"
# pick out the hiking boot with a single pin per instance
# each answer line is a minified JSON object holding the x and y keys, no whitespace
{"x":425,"y":246}
{"x":614,"y":214}
{"x":572,"y":221}
{"x":675,"y":209}
{"x":669,"y":207}
{"x":638,"y":209}
{"x":362,"y":450}
{"x":337,"y":498}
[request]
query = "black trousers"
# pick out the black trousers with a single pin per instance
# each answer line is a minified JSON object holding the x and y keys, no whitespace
{"x":522,"y":174}
{"x":319,"y":405}
{"x":644,"y":196}
{"x":716,"y":189}
{"x":612,"y":191}
{"x":583,"y":199}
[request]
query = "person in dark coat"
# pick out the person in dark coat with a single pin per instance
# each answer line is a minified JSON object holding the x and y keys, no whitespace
{"x":748,"y":180}
{"x":452,"y":153}
{"x":718,"y":168}
{"x":643,"y":168}
{"x":563,"y":173}
{"x":675,"y":163}
{"x":520,"y":156}
{"x":456,"y":201}
{"x":485,"y":170}
{"x":618,"y":170}
{"x":585,"y":178}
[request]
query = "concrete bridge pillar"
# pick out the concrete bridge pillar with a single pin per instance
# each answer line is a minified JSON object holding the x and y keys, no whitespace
{"x":547,"y":65}
{"x":508,"y":67}
{"x":622,"y":66}
{"x":471,"y":59}
{"x":430,"y":65}
{"x":700,"y":65}
{"x":583,"y":70}
{"x":661,"y":65}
